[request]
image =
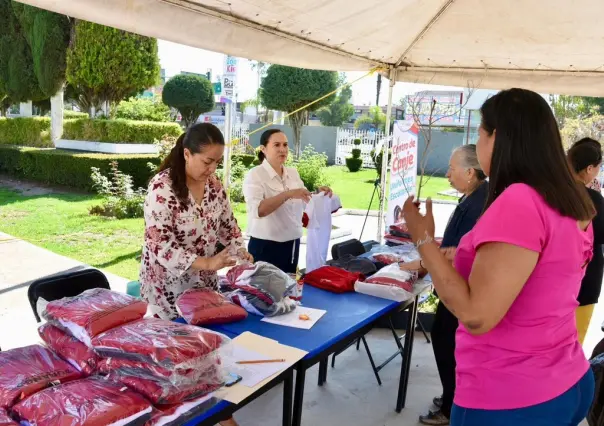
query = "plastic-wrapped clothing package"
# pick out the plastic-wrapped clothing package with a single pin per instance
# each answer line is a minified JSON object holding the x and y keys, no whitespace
{"x":159,"y":390}
{"x":332,"y":279}
{"x":596,"y":413}
{"x":201,"y":306}
{"x":94,"y":401}
{"x":389,"y":282}
{"x":69,"y":348}
{"x":351,"y":263}
{"x":5,"y":419}
{"x":25,"y":371}
{"x":174,"y":346}
{"x":94,"y":311}
{"x":261,"y":289}
{"x":176,"y":414}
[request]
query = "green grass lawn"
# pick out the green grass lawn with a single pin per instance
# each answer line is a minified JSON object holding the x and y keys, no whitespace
{"x":61,"y":223}
{"x":355,"y":189}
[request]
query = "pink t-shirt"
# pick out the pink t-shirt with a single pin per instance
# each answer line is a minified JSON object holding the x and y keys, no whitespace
{"x":533,"y":354}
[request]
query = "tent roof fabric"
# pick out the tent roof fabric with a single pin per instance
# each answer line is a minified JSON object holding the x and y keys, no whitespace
{"x":551,"y":46}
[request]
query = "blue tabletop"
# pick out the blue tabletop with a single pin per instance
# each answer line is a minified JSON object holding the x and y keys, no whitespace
{"x":212,"y":410}
{"x":346,"y":313}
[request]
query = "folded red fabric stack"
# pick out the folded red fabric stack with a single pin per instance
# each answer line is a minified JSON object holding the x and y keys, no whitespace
{"x":5,"y":419}
{"x":389,"y":282}
{"x":165,"y":361}
{"x":69,"y":348}
{"x":93,"y":401}
{"x":200,"y":306}
{"x":25,"y":371}
{"x":332,"y":279}
{"x":93,"y":312}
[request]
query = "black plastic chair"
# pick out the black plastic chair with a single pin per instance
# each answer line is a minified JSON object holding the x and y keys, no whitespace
{"x":352,"y":247}
{"x":65,"y":284}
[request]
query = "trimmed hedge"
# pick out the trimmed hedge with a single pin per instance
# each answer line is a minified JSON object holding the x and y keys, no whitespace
{"x":67,"y":114}
{"x":118,"y":131}
{"x":69,"y":168}
{"x":25,"y":131}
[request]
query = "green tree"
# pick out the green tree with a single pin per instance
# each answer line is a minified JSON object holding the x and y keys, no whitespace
{"x":48,"y":35}
{"x":375,"y":118}
{"x":339,"y":111}
{"x":191,"y":95}
{"x":17,"y":77}
{"x":288,"y":89}
{"x":111,"y":64}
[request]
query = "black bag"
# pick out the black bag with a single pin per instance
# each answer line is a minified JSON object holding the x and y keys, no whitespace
{"x":354,"y":264}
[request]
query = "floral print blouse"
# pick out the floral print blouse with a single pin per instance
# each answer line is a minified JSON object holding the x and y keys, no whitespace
{"x":176,"y":234}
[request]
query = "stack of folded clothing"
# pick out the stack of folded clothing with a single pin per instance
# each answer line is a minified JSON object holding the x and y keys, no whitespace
{"x":94,"y":401}
{"x":203,"y":306}
{"x":69,"y":348}
{"x":167,"y":362}
{"x":92,"y":312}
{"x":25,"y":371}
{"x":261,"y":289}
{"x":389,"y":282}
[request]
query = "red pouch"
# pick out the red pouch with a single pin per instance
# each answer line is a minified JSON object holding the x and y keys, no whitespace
{"x":5,"y":420}
{"x":69,"y":348}
{"x":94,"y":401}
{"x":94,"y":311}
{"x":200,"y":306}
{"x":110,"y":365}
{"x":332,"y":279}
{"x":25,"y":371}
{"x":169,"y":344}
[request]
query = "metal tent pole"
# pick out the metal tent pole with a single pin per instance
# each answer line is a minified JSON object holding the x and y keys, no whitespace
{"x":385,"y":149}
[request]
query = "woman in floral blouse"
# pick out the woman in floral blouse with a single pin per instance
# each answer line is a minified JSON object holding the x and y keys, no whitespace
{"x":187,"y":219}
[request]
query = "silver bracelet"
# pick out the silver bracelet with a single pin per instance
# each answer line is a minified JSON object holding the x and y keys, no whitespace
{"x":426,"y":240}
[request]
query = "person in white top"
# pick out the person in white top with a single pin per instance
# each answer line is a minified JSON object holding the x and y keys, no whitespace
{"x":275,"y":197}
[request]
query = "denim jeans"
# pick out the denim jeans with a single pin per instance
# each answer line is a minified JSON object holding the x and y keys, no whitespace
{"x":569,"y":409}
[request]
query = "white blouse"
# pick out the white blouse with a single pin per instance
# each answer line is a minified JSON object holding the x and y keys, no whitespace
{"x":285,"y":223}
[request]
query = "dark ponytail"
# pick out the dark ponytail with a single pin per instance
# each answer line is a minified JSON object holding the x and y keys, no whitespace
{"x":264,"y":139}
{"x":195,"y":139}
{"x":584,"y":153}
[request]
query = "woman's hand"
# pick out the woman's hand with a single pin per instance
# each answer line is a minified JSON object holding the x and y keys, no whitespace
{"x":326,"y":189}
{"x":420,"y":226}
{"x":412,"y":266}
{"x":221,"y":260}
{"x":245,"y":255}
{"x":449,"y":253}
{"x":299,"y":194}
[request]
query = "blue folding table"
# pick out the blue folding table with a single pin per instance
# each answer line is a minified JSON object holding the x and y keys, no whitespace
{"x":349,"y":316}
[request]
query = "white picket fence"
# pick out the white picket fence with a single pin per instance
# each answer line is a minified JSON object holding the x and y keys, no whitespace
{"x":345,"y":145}
{"x":241,"y":133}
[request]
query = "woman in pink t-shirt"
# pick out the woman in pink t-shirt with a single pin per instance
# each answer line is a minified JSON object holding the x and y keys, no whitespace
{"x":515,"y":277}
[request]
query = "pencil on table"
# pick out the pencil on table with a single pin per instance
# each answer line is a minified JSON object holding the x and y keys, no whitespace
{"x":260,"y":361}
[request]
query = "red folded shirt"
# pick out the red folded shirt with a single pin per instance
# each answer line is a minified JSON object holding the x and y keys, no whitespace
{"x":332,"y":279}
{"x":158,"y":390}
{"x":25,"y":371}
{"x":69,"y":348}
{"x":94,"y":311}
{"x":200,"y":306}
{"x":94,"y":401}
{"x":169,"y":344}
{"x":5,"y":420}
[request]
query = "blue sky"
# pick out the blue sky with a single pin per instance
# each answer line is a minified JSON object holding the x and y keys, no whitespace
{"x":175,"y":58}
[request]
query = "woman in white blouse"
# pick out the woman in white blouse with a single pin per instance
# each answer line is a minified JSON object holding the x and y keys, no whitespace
{"x":275,"y":197}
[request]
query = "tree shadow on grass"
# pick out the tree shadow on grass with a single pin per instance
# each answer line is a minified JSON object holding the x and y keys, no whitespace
{"x":133,"y":255}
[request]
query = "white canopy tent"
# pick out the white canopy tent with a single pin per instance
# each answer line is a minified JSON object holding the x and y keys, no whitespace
{"x":550,"y":46}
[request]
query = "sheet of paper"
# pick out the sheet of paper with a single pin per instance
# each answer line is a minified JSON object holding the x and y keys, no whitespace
{"x":252,"y":374}
{"x":292,"y":319}
{"x":267,"y":347}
